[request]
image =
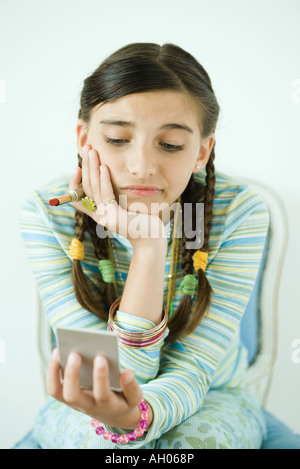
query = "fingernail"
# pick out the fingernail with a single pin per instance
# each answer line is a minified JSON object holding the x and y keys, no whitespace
{"x":73,"y":359}
{"x":100,"y":362}
{"x":129,"y":377}
{"x":55,"y":354}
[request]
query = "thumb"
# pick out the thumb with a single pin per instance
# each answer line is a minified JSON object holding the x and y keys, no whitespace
{"x":132,"y":391}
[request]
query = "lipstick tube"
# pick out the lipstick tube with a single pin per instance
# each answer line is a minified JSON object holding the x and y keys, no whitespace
{"x":73,"y":195}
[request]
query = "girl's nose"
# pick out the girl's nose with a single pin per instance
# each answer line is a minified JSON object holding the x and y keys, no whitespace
{"x":142,"y":164}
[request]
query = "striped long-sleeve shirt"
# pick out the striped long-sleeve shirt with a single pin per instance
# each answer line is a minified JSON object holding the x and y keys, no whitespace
{"x":176,"y":378}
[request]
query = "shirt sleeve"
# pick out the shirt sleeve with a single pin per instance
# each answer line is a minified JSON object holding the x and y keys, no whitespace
{"x":187,"y":367}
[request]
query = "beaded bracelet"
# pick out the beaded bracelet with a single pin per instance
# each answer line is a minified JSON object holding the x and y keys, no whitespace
{"x":136,"y":339}
{"x":131,"y":436}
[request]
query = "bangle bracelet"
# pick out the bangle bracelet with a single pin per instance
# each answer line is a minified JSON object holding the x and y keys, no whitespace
{"x":136,"y":339}
{"x":131,"y":436}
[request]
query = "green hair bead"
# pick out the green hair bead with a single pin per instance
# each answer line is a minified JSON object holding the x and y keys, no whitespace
{"x":189,"y":285}
{"x":107,"y":270}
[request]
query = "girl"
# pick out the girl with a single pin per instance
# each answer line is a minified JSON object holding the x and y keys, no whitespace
{"x":148,"y":116}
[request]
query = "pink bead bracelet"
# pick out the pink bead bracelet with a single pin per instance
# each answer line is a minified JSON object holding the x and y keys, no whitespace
{"x":131,"y":436}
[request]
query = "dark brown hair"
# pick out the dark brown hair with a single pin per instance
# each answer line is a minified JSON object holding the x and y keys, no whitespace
{"x":137,"y":68}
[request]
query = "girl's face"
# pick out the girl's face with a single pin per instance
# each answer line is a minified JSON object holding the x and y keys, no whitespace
{"x":151,"y":139}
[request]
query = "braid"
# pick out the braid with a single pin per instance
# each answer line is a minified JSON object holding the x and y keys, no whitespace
{"x":182,"y":321}
{"x":101,"y":253}
{"x":80,"y":282}
{"x":181,"y":314}
{"x":204,"y":289}
{"x":209,"y":192}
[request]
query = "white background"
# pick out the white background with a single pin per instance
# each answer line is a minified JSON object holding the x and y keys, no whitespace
{"x":47,"y":48}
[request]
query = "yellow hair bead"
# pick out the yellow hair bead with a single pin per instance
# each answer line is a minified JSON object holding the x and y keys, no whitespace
{"x":200,"y":260}
{"x":76,"y":250}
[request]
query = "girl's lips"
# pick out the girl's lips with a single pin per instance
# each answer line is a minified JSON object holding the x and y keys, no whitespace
{"x":142,"y":187}
{"x":143,"y":192}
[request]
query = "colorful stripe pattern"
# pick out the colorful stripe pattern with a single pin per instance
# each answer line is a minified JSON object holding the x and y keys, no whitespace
{"x":175,"y":378}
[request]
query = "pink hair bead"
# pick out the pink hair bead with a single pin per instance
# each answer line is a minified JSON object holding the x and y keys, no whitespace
{"x":123,"y":439}
{"x":100,"y":431}
{"x":139,"y":432}
{"x":95,"y":423}
{"x":107,"y":435}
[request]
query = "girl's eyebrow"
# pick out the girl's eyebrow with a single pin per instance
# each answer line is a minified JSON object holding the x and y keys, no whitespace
{"x":131,"y":124}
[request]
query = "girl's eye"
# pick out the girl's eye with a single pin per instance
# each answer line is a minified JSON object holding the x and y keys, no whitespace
{"x":169,"y":147}
{"x":166,"y":146}
{"x":114,"y":141}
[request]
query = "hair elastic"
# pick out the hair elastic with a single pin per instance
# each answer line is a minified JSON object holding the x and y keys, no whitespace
{"x":189,"y":285}
{"x":200,"y":260}
{"x":107,"y":270}
{"x":76,"y":250}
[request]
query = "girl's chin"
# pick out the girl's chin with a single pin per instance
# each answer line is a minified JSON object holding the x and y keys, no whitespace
{"x":147,"y":205}
{"x":139,"y":207}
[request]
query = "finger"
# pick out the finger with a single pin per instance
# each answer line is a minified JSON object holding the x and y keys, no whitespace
{"x":101,"y":386}
{"x":72,"y":393}
{"x":74,"y":183}
{"x":107,"y":192}
{"x":53,"y":380}
{"x":86,"y":182}
{"x":94,"y":163}
{"x":75,"y":179}
{"x":132,"y":391}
